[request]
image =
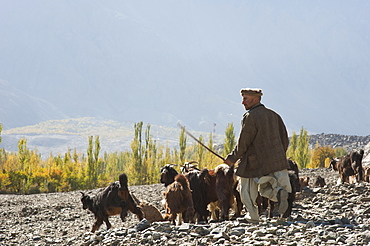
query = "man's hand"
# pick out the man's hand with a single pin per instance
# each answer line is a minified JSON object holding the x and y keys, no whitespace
{"x":228,"y":162}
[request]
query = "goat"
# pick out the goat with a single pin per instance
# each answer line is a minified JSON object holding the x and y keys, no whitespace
{"x":197,"y":183}
{"x":179,"y":200}
{"x":150,"y":212}
{"x":168,"y":174}
{"x":304,"y":182}
{"x":197,"y":186}
{"x":293,"y":166}
{"x":220,"y":186}
{"x":320,"y":181}
{"x":350,"y":165}
{"x":367,"y":174}
{"x":189,"y":166}
{"x":296,"y":186}
{"x":113,"y":200}
{"x":334,"y":164}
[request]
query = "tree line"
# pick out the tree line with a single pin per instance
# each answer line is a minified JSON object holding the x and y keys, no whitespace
{"x":25,"y":172}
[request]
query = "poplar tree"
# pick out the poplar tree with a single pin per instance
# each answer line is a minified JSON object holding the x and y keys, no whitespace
{"x":137,"y":155}
{"x":292,"y":146}
{"x":302,"y":153}
{"x":23,"y":154}
{"x":167,"y":154}
{"x":210,"y":158}
{"x":150,"y":157}
{"x":24,"y":173}
{"x":92,"y":162}
{"x":230,"y":141}
{"x":200,"y":152}
{"x":182,"y":146}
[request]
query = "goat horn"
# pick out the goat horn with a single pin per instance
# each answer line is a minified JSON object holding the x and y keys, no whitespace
{"x":191,"y":162}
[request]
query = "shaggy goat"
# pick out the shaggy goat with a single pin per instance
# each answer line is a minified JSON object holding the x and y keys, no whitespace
{"x":320,"y":181}
{"x":351,"y":165}
{"x":221,"y":192}
{"x":304,"y":182}
{"x":113,"y":200}
{"x":179,"y":200}
{"x":199,"y":195}
{"x":168,"y":174}
{"x":151,"y":213}
{"x":334,"y":164}
{"x":367,"y":174}
{"x":189,"y":166}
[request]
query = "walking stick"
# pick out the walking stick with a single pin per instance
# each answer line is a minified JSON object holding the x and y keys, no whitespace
{"x":183,"y":127}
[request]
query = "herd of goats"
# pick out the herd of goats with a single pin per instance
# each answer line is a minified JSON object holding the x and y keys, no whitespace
{"x":197,"y":196}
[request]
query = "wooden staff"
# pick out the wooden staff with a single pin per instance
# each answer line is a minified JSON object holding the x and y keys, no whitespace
{"x":183,"y":127}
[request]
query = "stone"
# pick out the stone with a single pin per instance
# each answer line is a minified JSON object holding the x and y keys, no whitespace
{"x":142,"y":225}
{"x":335,"y":215}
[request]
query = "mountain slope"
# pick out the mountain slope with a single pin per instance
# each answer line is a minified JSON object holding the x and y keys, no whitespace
{"x":57,"y":136}
{"x":19,"y":108}
{"x":164,"y":61}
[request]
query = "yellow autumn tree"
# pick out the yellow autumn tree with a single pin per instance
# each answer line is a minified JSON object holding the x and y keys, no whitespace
{"x":320,"y":154}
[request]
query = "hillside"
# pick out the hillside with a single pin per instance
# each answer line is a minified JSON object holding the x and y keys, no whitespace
{"x":57,"y":136}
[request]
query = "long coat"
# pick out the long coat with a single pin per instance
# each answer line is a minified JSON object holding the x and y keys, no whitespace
{"x":262,"y":144}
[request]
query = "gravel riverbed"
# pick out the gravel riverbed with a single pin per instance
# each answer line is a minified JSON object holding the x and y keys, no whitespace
{"x":332,"y":215}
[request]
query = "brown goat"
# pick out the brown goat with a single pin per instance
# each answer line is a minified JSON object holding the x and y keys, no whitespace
{"x":179,"y":200}
{"x":351,"y":165}
{"x":168,"y":174}
{"x":113,"y":200}
{"x":150,"y":212}
{"x":304,"y":181}
{"x":334,"y":164}
{"x":220,"y":191}
{"x":320,"y":181}
{"x":367,"y":174}
{"x":197,"y":184}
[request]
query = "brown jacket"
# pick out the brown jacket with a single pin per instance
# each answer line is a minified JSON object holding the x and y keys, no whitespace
{"x":262,"y":143}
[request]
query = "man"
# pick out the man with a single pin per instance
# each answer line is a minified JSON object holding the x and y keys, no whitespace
{"x":261,"y":155}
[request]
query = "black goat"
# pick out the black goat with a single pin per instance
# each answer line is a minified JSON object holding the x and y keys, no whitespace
{"x":168,"y":174}
{"x":114,"y":199}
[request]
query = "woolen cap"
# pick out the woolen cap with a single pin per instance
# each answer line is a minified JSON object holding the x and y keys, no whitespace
{"x":251,"y":91}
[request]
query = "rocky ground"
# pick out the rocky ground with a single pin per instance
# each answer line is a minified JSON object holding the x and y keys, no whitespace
{"x":333,"y":215}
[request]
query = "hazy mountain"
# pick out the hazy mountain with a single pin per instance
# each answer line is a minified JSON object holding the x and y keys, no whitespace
{"x":164,"y":61}
{"x":19,"y":108}
{"x":57,"y":136}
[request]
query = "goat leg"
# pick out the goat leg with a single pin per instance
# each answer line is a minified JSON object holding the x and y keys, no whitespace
{"x":123,"y":214}
{"x":225,"y":210}
{"x":96,"y":225}
{"x":107,"y":223}
{"x":135,"y":209}
{"x":239,"y":204}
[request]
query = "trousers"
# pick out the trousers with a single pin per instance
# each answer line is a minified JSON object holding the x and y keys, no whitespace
{"x":267,"y":186}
